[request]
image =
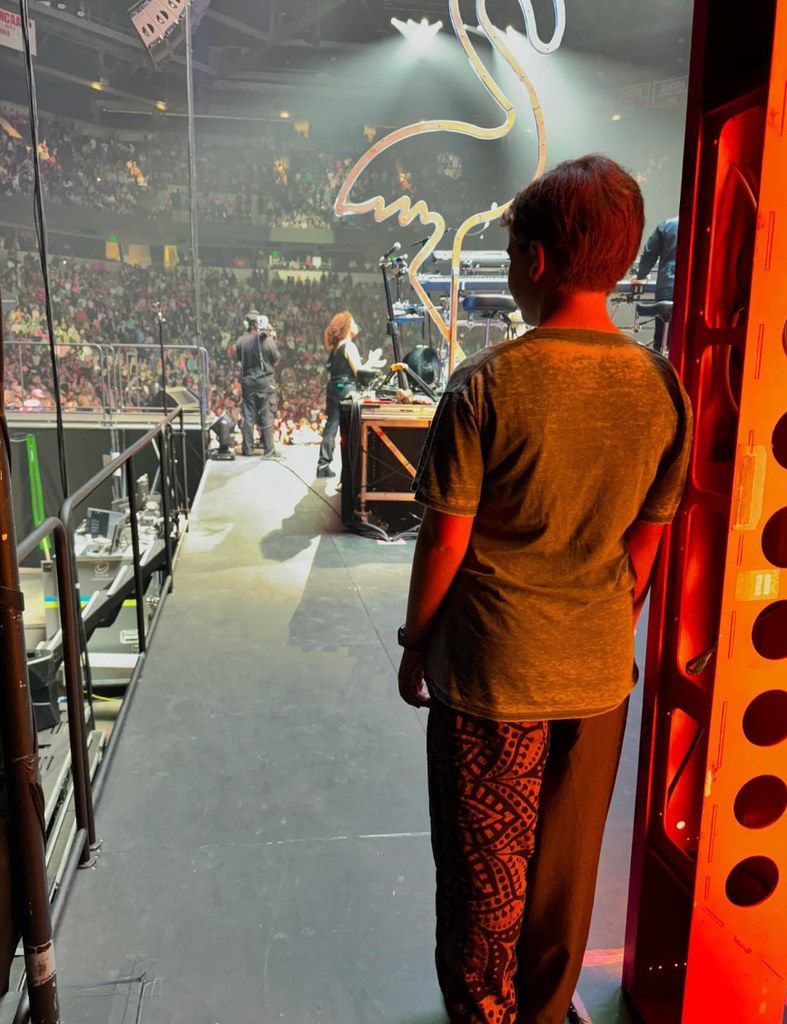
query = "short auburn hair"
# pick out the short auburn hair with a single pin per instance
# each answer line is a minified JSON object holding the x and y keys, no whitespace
{"x":588,"y":214}
{"x":338,"y":328}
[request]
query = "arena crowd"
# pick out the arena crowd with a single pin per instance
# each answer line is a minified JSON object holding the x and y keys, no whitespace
{"x":258,"y":180}
{"x":106,"y":330}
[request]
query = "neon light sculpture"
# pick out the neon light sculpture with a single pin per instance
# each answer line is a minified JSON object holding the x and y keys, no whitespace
{"x":403,"y":207}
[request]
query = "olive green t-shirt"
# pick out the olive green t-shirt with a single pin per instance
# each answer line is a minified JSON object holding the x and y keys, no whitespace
{"x":556,"y":442}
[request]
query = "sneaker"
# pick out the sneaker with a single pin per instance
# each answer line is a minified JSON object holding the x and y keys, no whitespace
{"x":272,"y":455}
{"x":326,"y":473}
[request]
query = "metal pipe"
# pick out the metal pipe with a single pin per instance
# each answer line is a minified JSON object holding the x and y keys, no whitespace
{"x":195,"y":264}
{"x":184,"y":461}
{"x":195,"y":260}
{"x":22,"y":1014}
{"x":138,"y":585}
{"x":162,"y":355}
{"x":165,"y":509}
{"x":77,"y":733}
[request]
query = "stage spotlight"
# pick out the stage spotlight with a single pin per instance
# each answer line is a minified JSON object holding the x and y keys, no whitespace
{"x":423,"y":35}
{"x":420,"y":34}
{"x":223,"y":427}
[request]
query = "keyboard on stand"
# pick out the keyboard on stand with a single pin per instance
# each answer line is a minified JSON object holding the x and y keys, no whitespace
{"x":467,"y":283}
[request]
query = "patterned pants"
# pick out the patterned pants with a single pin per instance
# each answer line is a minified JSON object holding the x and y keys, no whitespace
{"x":516,"y":805}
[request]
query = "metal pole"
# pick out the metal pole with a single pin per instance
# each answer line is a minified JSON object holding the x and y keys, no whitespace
{"x":76,"y":707}
{"x":18,"y":739}
{"x":138,"y":585}
{"x":195,"y":262}
{"x":184,"y":459}
{"x":161,"y":321}
{"x":193,"y":176}
{"x":22,"y":1015}
{"x":69,"y":619}
{"x":393,"y":326}
{"x":165,"y":506}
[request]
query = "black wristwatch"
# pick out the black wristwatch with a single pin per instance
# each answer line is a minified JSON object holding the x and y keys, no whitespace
{"x":410,"y":643}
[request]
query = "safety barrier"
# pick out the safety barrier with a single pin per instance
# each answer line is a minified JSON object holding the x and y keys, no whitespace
{"x":115,"y":379}
{"x":61,"y":528}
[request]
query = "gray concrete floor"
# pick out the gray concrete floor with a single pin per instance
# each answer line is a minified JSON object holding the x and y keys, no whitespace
{"x":266,"y":854}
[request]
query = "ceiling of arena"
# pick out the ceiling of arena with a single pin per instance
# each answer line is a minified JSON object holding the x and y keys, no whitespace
{"x":243,"y":48}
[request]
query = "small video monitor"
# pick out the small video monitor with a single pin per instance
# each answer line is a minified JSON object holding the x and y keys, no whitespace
{"x":100,"y":522}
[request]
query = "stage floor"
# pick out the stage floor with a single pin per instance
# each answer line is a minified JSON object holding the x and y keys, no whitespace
{"x":266,"y":853}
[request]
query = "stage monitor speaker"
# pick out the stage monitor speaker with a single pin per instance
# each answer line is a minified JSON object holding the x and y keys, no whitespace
{"x":182,"y":397}
{"x":425,"y":362}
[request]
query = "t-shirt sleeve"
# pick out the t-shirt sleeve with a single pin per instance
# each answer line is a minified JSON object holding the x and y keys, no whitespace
{"x":664,"y":494}
{"x":451,"y":469}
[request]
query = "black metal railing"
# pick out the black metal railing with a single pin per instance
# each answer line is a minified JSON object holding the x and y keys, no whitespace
{"x":61,"y":528}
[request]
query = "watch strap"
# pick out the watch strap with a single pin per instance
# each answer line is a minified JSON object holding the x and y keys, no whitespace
{"x":411,"y":643}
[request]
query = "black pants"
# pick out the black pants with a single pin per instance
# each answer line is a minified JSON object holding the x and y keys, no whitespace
{"x":658,"y":324}
{"x":332,"y":411}
{"x":259,"y":406}
{"x":518,"y":812}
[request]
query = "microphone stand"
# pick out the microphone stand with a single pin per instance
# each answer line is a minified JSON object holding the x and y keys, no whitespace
{"x":161,"y":321}
{"x":393,"y":326}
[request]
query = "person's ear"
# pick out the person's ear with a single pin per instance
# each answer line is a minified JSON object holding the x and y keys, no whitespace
{"x":536,"y":261}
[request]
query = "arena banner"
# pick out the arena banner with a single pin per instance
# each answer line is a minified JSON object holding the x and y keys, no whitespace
{"x":11,"y":31}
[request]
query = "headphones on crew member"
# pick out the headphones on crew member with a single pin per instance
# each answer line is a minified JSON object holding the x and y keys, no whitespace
{"x":258,"y":320}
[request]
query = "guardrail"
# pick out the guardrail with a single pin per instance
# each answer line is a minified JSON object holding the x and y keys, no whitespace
{"x":108,"y":379}
{"x":61,"y":528}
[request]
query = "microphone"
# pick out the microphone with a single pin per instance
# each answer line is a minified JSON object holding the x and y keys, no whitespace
{"x":394,"y":248}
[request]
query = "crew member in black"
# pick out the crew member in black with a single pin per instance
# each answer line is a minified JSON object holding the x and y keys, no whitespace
{"x":344,"y":362}
{"x":258,"y":355}
{"x":660,"y":248}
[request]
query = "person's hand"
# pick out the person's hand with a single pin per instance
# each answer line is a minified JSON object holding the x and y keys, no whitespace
{"x":412,"y":688}
{"x":375,"y":360}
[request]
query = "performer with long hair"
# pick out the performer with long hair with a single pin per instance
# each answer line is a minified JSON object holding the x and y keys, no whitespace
{"x":344,"y":362}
